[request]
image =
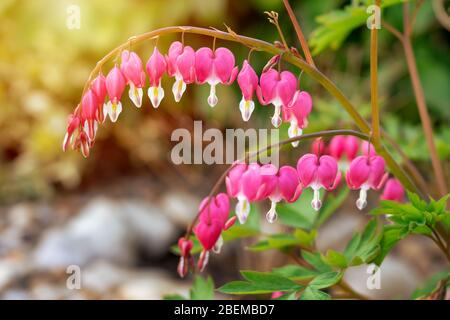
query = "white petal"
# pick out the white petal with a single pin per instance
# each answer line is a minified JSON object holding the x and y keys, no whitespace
{"x":218,"y":245}
{"x":135,"y":95}
{"x":179,"y":87}
{"x":155,"y":94}
{"x":272,"y":215}
{"x":316,"y":203}
{"x":212,"y":99}
{"x":246,"y":107}
{"x":276,"y":118}
{"x":242,"y":210}
{"x":113,"y":110}
{"x":294,"y":131}
{"x":361,"y":202}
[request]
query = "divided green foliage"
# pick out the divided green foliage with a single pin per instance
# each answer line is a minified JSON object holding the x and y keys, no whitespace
{"x":259,"y":283}
{"x":416,"y":217}
{"x":285,"y":241}
{"x":335,"y":26}
{"x":202,"y":289}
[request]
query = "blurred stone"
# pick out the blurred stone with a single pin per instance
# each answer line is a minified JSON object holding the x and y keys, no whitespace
{"x":180,"y":207}
{"x":107,"y":230}
{"x":398,"y":280}
{"x":99,"y":231}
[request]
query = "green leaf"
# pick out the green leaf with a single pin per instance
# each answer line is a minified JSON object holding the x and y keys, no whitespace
{"x":391,"y":235}
{"x":331,"y":205}
{"x":314,"y":294}
{"x":299,"y":214}
{"x":277,"y":241}
{"x":325,"y":280}
{"x":296,"y":272}
{"x":203,"y":289}
{"x":335,"y":259}
{"x":305,"y":238}
{"x":352,"y":246}
{"x":174,"y":297}
{"x":258,"y":283}
{"x":315,"y":260}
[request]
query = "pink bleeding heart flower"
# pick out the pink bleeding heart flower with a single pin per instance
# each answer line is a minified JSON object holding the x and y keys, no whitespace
{"x":393,"y":190}
{"x":276,"y":294}
{"x":156,"y":67}
{"x":98,"y":86}
{"x":82,"y":143}
{"x":248,"y":82}
{"x":115,"y":85}
{"x":89,"y":108}
{"x":366,"y":173}
{"x":367,"y":149}
{"x":277,"y":89}
{"x":249,"y":183}
{"x":186,"y":259}
{"x":212,"y":221}
{"x":287,"y":187}
{"x":318,"y":173}
{"x":181,"y":65}
{"x":73,"y":123}
{"x":214,"y":68}
{"x":133,"y":72}
{"x":297,"y":114}
{"x":344,"y":149}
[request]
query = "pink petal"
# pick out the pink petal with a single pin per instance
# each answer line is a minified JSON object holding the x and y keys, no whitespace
{"x":358,"y":172}
{"x":307,"y":167}
{"x":203,"y":64}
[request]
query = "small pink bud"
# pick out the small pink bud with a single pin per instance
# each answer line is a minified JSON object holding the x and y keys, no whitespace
{"x":133,"y":71}
{"x":297,"y":114}
{"x":156,"y":67}
{"x":115,"y":85}
{"x":248,"y":82}
{"x":393,"y":190}
{"x":73,"y":122}
{"x":89,"y":109}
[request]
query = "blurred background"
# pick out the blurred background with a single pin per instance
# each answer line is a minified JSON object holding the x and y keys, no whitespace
{"x":117,"y":213}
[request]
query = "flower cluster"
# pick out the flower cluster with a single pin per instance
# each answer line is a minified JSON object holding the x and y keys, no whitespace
{"x":103,"y":95}
{"x":322,"y":169}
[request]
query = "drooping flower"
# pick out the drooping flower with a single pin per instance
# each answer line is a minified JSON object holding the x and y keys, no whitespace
{"x":98,"y":86}
{"x":317,"y":173}
{"x":181,"y":65}
{"x":286,"y":187}
{"x":213,"y":220}
{"x":82,"y":143}
{"x":366,"y":173}
{"x":344,"y":149}
{"x":156,"y":67}
{"x":249,"y":183}
{"x":297,"y":114}
{"x":115,"y":84}
{"x":393,"y":190}
{"x":318,"y":147}
{"x":214,"y":68}
{"x":89,"y":108}
{"x":343,"y":146}
{"x":277,"y":89}
{"x":248,"y":82}
{"x":186,"y":259}
{"x":73,"y":122}
{"x":131,"y":67}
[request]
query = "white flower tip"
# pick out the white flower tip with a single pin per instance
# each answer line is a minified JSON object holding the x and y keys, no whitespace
{"x":156,"y":94}
{"x":276,"y":121}
{"x":135,"y":95}
{"x":361,"y":204}
{"x":113,"y":109}
{"x":246,"y":107}
{"x":212,"y":101}
{"x":178,"y":89}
